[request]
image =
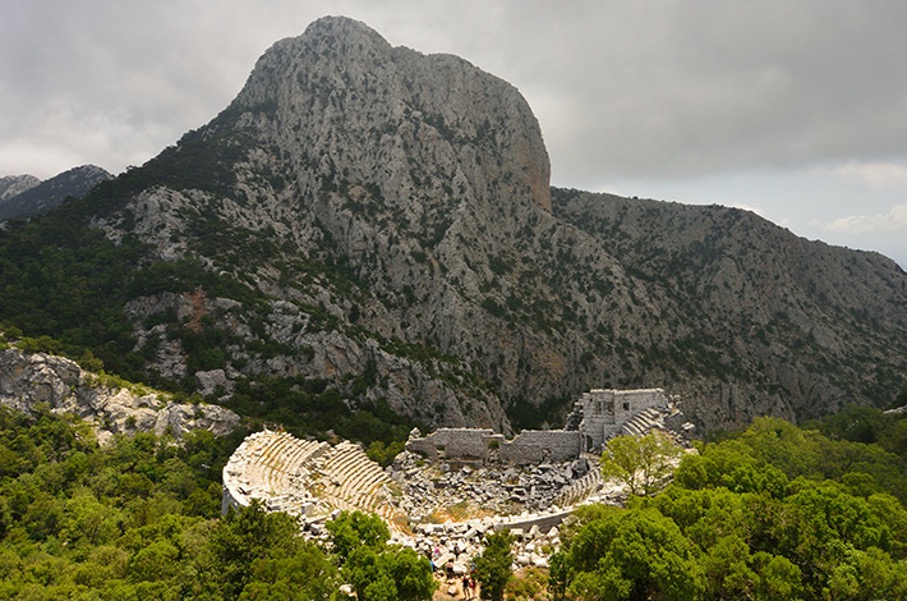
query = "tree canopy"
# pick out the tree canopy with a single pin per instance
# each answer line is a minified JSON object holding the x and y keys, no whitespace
{"x":493,"y":566}
{"x":141,"y":519}
{"x":376,"y":570}
{"x":641,"y":463}
{"x":773,"y":512}
{"x":776,"y":512}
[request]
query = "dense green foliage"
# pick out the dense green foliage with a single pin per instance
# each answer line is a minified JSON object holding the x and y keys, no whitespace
{"x":773,"y":512}
{"x":865,"y":425}
{"x":54,"y":275}
{"x":126,"y":521}
{"x":376,"y":570}
{"x":140,"y":519}
{"x":254,"y":555}
{"x":640,"y":463}
{"x":493,"y":566}
{"x":776,"y":512}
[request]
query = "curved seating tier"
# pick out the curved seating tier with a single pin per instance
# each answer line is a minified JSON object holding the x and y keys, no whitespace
{"x":265,"y":464}
{"x":579,"y":490}
{"x":304,"y":477}
{"x":352,"y":481}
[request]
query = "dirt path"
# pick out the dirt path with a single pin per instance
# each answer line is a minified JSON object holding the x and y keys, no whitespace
{"x":446,"y":586}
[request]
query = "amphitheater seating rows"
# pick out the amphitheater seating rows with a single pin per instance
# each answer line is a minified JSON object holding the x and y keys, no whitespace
{"x":642,"y":423}
{"x":267,"y":461}
{"x":292,"y":474}
{"x":579,"y":489}
{"x":354,"y":482}
{"x":287,"y":473}
{"x":282,"y":457}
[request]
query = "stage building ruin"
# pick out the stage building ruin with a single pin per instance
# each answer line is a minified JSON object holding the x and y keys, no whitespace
{"x":596,"y":417}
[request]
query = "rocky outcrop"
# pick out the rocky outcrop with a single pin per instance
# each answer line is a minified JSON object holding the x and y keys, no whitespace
{"x":766,"y":312}
{"x":350,"y":110}
{"x":28,"y":380}
{"x":11,"y":186}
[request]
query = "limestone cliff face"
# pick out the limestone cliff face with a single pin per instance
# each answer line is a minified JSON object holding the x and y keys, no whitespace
{"x":764,"y":313}
{"x":424,"y":134}
{"x":371,"y":215}
{"x":29,"y":379}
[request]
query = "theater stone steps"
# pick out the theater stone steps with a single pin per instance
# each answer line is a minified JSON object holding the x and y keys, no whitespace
{"x":269,"y":466}
{"x":354,"y":482}
{"x":308,"y":477}
{"x":643,"y":423}
{"x":579,"y":490}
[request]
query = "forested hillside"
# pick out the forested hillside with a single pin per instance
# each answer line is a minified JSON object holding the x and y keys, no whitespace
{"x":773,"y":512}
{"x":141,"y":520}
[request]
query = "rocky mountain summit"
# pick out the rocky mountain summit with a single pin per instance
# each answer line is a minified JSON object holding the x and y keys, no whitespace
{"x":28,"y":380}
{"x":381,"y":221}
{"x":22,"y":197}
{"x":11,"y":186}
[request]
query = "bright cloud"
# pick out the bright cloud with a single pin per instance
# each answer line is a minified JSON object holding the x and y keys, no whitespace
{"x":894,"y":220}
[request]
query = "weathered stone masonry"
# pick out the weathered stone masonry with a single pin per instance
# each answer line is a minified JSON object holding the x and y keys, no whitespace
{"x":598,"y":416}
{"x":538,"y":447}
{"x":605,"y":411}
{"x":469,"y":445}
{"x":464,"y":444}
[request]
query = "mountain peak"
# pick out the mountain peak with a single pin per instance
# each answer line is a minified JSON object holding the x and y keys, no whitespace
{"x":339,"y":98}
{"x":11,"y":186}
{"x":340,"y":27}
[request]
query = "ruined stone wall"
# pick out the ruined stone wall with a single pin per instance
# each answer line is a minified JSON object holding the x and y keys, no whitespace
{"x":605,"y":410}
{"x":536,"y":447}
{"x":461,"y":444}
{"x":424,"y":446}
{"x":677,"y":422}
{"x":598,"y":415}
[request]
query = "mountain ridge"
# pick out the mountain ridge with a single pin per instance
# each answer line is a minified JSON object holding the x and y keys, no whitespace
{"x":41,"y":196}
{"x":382,"y":221}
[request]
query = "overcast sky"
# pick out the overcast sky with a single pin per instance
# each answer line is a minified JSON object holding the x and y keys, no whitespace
{"x":795,"y":109}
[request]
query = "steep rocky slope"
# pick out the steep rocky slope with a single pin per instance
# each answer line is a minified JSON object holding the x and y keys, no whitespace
{"x":763,"y":321}
{"x":382,"y":220}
